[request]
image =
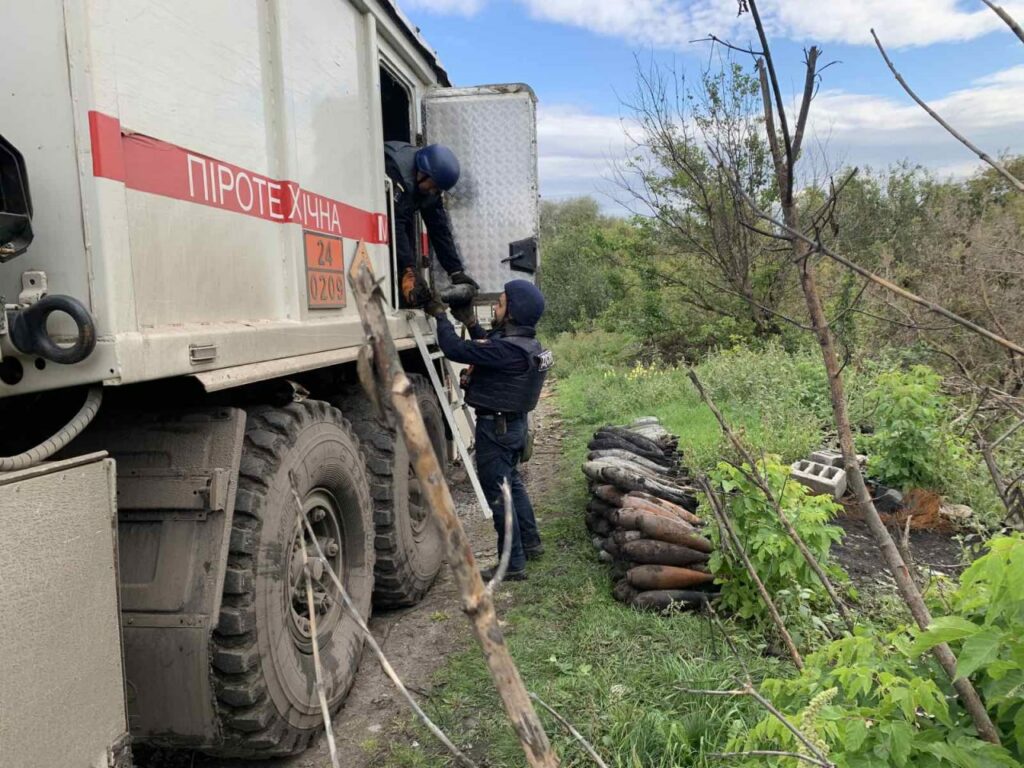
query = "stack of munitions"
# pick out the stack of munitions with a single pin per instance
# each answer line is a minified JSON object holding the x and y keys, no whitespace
{"x":642,"y":516}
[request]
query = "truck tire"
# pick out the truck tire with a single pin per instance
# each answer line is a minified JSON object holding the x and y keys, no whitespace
{"x":263,"y":673}
{"x":408,"y":541}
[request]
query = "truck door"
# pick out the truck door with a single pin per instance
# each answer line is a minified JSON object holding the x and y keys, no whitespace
{"x":494,"y":208}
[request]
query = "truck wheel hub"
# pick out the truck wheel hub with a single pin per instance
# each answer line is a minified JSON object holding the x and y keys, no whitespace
{"x":321,"y":511}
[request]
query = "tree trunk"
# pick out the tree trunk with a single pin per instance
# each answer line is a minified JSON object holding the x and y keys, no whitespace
{"x":908,"y":589}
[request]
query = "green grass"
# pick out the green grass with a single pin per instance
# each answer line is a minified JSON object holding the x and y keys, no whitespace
{"x":615,"y":673}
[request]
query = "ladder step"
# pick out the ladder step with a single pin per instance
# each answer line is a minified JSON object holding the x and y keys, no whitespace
{"x":436,"y":355}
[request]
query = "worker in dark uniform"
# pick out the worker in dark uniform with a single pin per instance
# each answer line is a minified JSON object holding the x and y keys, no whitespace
{"x":419,"y":176}
{"x":508,"y":368}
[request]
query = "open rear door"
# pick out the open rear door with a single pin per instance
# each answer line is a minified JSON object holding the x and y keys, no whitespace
{"x":494,"y":208}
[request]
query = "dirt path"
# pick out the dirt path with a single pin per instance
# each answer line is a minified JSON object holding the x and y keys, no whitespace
{"x":416,"y":640}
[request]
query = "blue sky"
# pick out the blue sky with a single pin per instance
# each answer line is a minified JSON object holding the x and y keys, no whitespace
{"x":579,"y":57}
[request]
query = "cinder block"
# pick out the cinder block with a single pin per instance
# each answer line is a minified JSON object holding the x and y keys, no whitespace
{"x":834,"y":458}
{"x":820,"y":478}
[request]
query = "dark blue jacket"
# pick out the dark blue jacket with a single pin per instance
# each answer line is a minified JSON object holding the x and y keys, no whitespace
{"x":400,"y":166}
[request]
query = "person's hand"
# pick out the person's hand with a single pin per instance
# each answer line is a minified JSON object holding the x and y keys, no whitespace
{"x":461,"y":278}
{"x":434,"y":306}
{"x":465,"y":314}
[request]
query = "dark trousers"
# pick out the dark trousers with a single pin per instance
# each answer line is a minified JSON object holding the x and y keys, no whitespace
{"x":497,"y":457}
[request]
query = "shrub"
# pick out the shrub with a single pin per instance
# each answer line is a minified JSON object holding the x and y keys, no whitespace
{"x":911,"y":446}
{"x":796,"y":590}
{"x":870,"y":701}
{"x":986,"y":629}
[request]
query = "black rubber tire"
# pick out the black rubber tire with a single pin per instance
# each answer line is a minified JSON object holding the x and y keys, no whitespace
{"x":264,"y":683}
{"x":409,"y":556}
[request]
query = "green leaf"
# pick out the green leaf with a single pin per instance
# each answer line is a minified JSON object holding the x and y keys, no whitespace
{"x":944,"y":629}
{"x":855,"y":735}
{"x":978,"y":650}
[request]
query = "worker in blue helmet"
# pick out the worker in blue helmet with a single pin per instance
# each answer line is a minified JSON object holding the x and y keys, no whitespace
{"x":508,"y":366}
{"x":419,"y":176}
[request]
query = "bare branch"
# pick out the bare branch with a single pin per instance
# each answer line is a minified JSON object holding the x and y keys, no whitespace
{"x":572,"y":731}
{"x":379,"y":653}
{"x":1010,"y":21}
{"x":805,"y":102}
{"x":950,"y":129}
{"x":787,"y":195}
{"x":723,"y":518}
{"x":772,"y":499}
{"x":506,"y":550}
{"x":817,"y":246}
{"x":725,"y":44}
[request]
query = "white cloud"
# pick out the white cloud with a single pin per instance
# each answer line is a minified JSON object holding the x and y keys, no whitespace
{"x":673,"y":23}
{"x":577,"y":148}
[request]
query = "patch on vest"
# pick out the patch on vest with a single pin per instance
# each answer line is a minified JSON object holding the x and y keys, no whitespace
{"x":544,"y":360}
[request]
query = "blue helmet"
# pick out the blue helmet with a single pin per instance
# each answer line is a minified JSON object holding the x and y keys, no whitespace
{"x":525,"y":302}
{"x":439,"y":163}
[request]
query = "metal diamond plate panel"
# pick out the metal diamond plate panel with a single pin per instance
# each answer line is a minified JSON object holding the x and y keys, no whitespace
{"x":493,"y":131}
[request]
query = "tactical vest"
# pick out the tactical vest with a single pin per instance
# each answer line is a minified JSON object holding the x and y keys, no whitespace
{"x":507,"y":392}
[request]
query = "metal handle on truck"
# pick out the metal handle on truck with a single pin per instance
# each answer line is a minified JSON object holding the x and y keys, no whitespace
{"x":27,"y":328}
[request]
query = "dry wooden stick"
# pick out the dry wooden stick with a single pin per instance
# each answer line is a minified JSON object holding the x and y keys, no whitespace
{"x":762,"y":483}
{"x":317,"y":667}
{"x":506,"y":550}
{"x":1007,"y":18}
{"x":381,"y":658}
{"x":723,"y":520}
{"x":1002,"y":170}
{"x":476,"y":602}
{"x":572,"y":731}
{"x":748,"y":689}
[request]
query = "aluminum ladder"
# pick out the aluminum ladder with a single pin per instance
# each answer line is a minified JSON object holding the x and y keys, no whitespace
{"x":420,"y":323}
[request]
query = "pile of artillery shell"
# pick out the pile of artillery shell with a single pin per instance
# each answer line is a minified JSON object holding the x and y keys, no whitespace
{"x":643,"y":518}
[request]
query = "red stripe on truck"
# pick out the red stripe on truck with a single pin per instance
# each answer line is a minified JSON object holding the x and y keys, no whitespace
{"x":150,"y":165}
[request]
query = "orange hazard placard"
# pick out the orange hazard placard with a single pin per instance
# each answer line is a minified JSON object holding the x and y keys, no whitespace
{"x":325,"y":271}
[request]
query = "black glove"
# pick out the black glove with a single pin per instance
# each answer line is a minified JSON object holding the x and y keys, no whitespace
{"x":461,"y":278}
{"x":435,"y":307}
{"x":465,"y":315}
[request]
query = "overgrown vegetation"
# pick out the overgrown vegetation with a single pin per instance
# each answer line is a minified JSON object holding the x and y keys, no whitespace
{"x":799,"y":596}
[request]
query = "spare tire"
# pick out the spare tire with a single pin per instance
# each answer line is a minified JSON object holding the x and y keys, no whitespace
{"x":262,"y":661}
{"x":408,"y":542}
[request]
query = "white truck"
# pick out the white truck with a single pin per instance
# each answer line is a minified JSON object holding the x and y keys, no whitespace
{"x":183,"y":184}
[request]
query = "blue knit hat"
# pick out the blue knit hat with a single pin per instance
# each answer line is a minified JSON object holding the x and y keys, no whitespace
{"x":525,"y":302}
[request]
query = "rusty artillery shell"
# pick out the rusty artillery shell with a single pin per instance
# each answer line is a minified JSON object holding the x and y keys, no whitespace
{"x":660,"y":599}
{"x":661,"y":553}
{"x":632,"y":458}
{"x":620,"y":568}
{"x":631,"y":518}
{"x":666,"y":577}
{"x":673,"y":532}
{"x":601,"y":527}
{"x":623,"y":536}
{"x":600,"y":508}
{"x":623,"y":592}
{"x":607,"y":442}
{"x":609,"y":494}
{"x":605,"y":557}
{"x":598,"y":543}
{"x":648,"y":502}
{"x":638,"y":441}
{"x":611,"y":547}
